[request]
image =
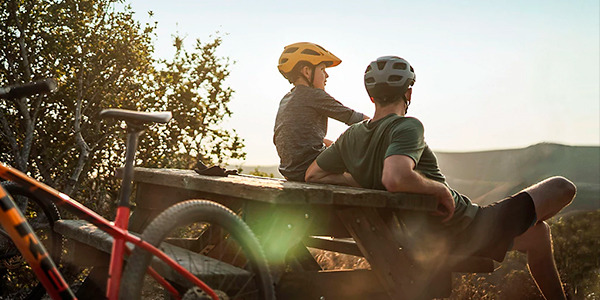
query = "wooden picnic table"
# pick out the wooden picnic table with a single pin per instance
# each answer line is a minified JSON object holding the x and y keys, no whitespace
{"x":288,"y":216}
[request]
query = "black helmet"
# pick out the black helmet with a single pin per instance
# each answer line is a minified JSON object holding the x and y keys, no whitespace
{"x":389,"y":77}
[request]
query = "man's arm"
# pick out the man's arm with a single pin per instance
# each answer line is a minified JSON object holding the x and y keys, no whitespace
{"x":399,"y":176}
{"x":318,"y":175}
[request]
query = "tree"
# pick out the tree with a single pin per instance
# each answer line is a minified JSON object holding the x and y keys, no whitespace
{"x":99,"y":56}
{"x":191,"y":86}
{"x":102,"y":58}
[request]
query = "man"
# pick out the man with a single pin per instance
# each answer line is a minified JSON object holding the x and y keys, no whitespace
{"x":301,"y":123}
{"x":389,"y":153}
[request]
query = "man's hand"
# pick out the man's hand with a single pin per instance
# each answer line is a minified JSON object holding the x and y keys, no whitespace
{"x":445,"y":204}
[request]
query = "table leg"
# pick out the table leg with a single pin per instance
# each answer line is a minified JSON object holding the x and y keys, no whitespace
{"x":378,"y":242}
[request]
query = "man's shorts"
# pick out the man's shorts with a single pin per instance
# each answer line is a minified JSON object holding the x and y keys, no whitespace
{"x":493,"y":230}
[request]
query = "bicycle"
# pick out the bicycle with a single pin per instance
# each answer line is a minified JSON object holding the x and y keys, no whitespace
{"x":256,"y":282}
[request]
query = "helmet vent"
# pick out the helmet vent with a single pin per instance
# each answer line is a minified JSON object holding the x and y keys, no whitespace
{"x":310,"y":52}
{"x":399,"y":66}
{"x":283,"y":60}
{"x":381,"y":65}
{"x":394,"y":78}
{"x":370,"y":80}
{"x":291,"y":50}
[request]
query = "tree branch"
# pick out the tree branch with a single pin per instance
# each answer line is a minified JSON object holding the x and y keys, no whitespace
{"x":84,"y":149}
{"x":14,"y":146}
{"x":44,"y":172}
{"x":23,"y":52}
{"x":21,"y":103}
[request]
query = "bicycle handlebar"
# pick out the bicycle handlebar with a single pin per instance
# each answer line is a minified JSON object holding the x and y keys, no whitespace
{"x":43,"y":86}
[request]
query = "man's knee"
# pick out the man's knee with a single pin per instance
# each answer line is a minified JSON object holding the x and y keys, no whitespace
{"x":559,"y":190}
{"x":565,"y":187}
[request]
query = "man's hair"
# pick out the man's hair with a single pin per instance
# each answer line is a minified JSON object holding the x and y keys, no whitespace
{"x":388,"y":100}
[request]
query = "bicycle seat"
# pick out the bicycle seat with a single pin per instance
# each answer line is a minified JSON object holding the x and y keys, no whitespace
{"x":137,"y":117}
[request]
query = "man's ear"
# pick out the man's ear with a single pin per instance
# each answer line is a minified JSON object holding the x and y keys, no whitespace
{"x":408,"y":94}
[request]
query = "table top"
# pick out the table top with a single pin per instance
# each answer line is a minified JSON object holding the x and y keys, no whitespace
{"x":278,"y":191}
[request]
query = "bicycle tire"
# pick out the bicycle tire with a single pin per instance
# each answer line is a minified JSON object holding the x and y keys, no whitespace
{"x":213,"y":214}
{"x":28,"y":287}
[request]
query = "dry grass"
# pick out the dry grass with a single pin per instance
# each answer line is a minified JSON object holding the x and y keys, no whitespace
{"x":338,"y":261}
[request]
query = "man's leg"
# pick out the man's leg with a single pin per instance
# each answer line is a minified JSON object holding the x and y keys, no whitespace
{"x":549,"y":197}
{"x":537,"y":243}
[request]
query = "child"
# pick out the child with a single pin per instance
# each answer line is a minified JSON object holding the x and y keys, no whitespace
{"x":301,"y":122}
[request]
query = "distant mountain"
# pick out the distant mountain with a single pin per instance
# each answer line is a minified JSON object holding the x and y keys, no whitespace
{"x":488,"y":176}
{"x":272,"y":169}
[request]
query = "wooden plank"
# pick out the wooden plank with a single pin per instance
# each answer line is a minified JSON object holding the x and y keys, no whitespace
{"x":202,"y":266}
{"x":86,"y":233}
{"x":345,"y":246}
{"x":283,"y":192}
{"x":210,"y":270}
{"x":152,"y":199}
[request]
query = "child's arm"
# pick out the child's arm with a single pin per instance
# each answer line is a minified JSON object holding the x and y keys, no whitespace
{"x":332,"y":108}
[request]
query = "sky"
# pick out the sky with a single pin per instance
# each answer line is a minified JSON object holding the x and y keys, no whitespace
{"x":490,"y":74}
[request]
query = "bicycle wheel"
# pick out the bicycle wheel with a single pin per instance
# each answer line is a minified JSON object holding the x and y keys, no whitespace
{"x":18,"y":280}
{"x":216,"y":232}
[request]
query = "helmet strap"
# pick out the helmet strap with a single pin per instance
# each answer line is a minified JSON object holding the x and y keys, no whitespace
{"x":310,"y":83}
{"x":406,"y":100}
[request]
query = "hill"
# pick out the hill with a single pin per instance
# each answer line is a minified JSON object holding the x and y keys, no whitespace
{"x":487,"y":176}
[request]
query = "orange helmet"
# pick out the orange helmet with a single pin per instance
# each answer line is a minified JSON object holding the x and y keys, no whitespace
{"x":307,"y":52}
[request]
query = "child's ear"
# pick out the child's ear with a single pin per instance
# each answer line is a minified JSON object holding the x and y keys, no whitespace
{"x":306,"y":71}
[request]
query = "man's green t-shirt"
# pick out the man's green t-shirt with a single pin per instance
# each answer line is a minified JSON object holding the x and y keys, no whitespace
{"x":362,"y":149}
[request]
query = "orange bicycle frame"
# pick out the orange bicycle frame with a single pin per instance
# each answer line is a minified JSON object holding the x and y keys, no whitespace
{"x":31,"y":248}
{"x":118,"y":231}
